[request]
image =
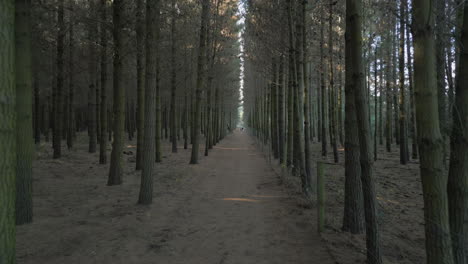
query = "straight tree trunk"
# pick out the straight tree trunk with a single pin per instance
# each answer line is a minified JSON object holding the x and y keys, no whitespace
{"x":116,"y":166}
{"x":333,"y":115}
{"x":158,"y":133}
{"x":140,"y":42}
{"x":402,"y":100}
{"x":322,"y":88}
{"x":376,"y":103}
{"x":354,"y":59}
{"x":58,"y":106}
{"x":149,"y":147}
{"x":71,"y":79}
{"x":103,"y":108}
{"x":281,"y":113}
{"x":388,"y":95}
{"x":173,"y":78}
{"x":458,"y":169}
{"x":24,"y":137}
{"x":414,"y":145}
{"x":430,"y":140}
{"x":306,"y":96}
{"x":200,"y":81}
{"x":8,"y":132}
{"x":353,"y":216}
{"x":92,"y":36}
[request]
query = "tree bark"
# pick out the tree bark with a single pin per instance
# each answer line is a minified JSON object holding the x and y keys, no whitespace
{"x":140,"y":42}
{"x":402,"y":101}
{"x":458,"y":169}
{"x":354,"y":55}
{"x":24,"y":137}
{"x":149,"y":147}
{"x":58,"y":106}
{"x":200,"y":80}
{"x":8,"y":132}
{"x":430,"y":141}
{"x":116,"y":166}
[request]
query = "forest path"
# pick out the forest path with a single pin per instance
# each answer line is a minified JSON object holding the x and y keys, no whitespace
{"x":229,"y":209}
{"x":238,"y":213}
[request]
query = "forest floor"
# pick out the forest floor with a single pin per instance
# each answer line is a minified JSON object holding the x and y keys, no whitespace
{"x":231,"y":208}
{"x":400,"y":208}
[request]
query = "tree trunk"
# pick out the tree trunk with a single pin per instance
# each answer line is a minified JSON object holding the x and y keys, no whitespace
{"x":24,"y":137}
{"x":140,"y":42}
{"x":430,"y":141}
{"x":353,"y":217}
{"x":322,"y":88}
{"x":414,"y":145}
{"x":458,"y":170}
{"x":333,"y":115}
{"x":173,"y":79}
{"x":92,"y":36}
{"x":103,"y":108}
{"x":281,"y":113}
{"x":8,"y":134}
{"x":58,"y":106}
{"x":388,"y":95}
{"x":116,"y":166}
{"x":200,"y":80}
{"x":149,"y":147}
{"x":402,"y":101}
{"x":71,"y":80}
{"x":354,"y":58}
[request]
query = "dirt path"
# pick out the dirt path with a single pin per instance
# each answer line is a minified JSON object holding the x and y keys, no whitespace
{"x":228,"y":209}
{"x":239,"y":214}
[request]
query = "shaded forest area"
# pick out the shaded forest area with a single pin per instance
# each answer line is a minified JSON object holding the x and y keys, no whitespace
{"x":361,"y":107}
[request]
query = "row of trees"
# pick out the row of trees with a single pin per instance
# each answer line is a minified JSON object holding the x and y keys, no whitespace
{"x":157,"y":68}
{"x":357,"y":74}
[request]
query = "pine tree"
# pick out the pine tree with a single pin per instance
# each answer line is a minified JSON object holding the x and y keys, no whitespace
{"x":149,"y":151}
{"x":116,"y":169}
{"x":24,"y":137}
{"x":140,"y":40}
{"x":173,"y":78}
{"x":8,"y":134}
{"x":458,"y":169}
{"x":430,"y":141}
{"x":58,"y":101}
{"x":196,"y":122}
{"x":354,"y":58}
{"x":103,"y":108}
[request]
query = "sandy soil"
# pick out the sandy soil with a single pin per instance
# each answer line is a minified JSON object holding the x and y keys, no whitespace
{"x":400,"y":209}
{"x":231,"y":208}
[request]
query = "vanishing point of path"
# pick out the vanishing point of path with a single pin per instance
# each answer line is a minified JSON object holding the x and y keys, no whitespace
{"x":229,"y":209}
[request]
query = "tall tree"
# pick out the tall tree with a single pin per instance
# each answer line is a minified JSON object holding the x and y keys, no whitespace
{"x":140,"y":41}
{"x":173,"y":78}
{"x":355,"y":61}
{"x":71,"y":77}
{"x":196,"y":123}
{"x":430,"y":142}
{"x":8,"y":132}
{"x":149,"y":147}
{"x":402,"y":101}
{"x":458,"y":169}
{"x":353,"y":216}
{"x":24,"y":137}
{"x":58,"y":104}
{"x":116,"y":166}
{"x":332,"y":99}
{"x":92,"y":98}
{"x":298,"y":85}
{"x":323,"y":92}
{"x":103,"y":108}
